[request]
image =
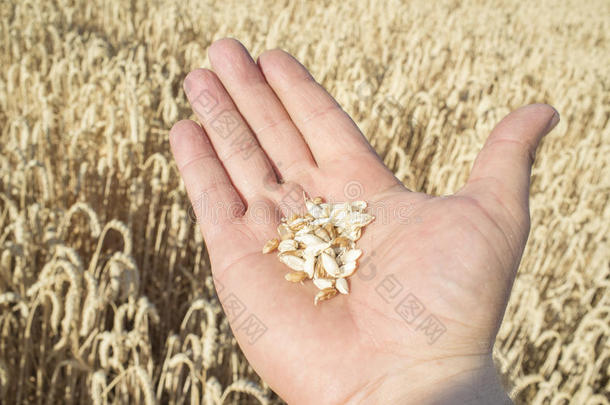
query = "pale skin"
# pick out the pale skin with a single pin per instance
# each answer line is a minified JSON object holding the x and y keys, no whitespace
{"x":458,"y":255}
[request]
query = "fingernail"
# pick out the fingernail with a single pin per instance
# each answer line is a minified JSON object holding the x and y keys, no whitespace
{"x":553,"y":121}
{"x":187,"y":84}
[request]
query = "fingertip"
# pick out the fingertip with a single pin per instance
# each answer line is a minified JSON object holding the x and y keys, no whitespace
{"x":196,"y":78}
{"x":270,"y":54}
{"x":175,"y":131}
{"x":527,"y":125}
{"x":224,"y":46}
{"x":186,"y":138}
{"x":555,"y":110}
{"x":545,"y":114}
{"x":280,"y":65}
{"x":228,"y":55}
{"x":265,"y":59}
{"x":554,"y":120}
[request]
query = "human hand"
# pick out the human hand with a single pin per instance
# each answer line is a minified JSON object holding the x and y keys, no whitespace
{"x":269,"y":132}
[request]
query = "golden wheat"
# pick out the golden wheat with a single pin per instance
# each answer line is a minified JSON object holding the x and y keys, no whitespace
{"x":106,"y":295}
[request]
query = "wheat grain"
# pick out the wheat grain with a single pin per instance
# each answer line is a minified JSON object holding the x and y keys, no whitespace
{"x":246,"y":387}
{"x":98,"y":385}
{"x":10,"y":298}
{"x":213,"y":392}
{"x":146,"y":311}
{"x":85,"y":208}
{"x":322,"y":248}
{"x":91,"y":305}
{"x":270,"y":246}
{"x":3,"y":377}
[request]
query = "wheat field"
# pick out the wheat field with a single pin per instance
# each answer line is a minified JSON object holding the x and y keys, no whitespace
{"x":106,"y":295}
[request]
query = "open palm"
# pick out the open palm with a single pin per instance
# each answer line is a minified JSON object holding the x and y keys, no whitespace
{"x":428,"y":298}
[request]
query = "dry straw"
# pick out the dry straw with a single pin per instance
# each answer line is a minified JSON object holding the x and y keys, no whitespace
{"x":106,"y":295}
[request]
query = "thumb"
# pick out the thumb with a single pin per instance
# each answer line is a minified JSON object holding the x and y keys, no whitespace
{"x":500,"y":176}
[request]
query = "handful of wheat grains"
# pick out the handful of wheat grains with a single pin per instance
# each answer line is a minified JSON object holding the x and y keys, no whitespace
{"x":321,"y":245}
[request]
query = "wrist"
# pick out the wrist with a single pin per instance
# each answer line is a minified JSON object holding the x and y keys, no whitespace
{"x":475,"y":386}
{"x":471,"y":381}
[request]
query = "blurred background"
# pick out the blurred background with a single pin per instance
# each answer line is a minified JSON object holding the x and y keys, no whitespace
{"x":106,"y":294}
